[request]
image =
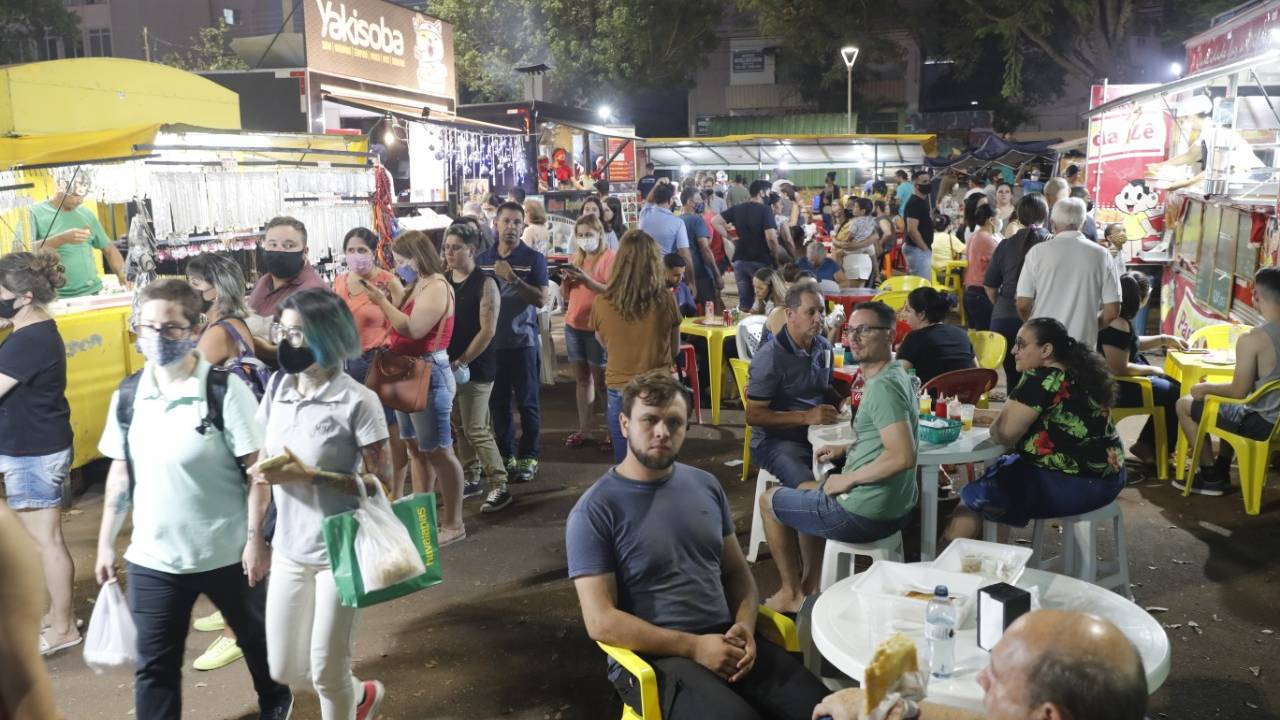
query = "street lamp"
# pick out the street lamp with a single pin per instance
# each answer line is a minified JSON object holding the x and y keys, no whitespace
{"x":1175,"y":69}
{"x":604,"y":111}
{"x":849,"y":54}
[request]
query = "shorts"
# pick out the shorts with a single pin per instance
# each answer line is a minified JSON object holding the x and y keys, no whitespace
{"x":1013,"y":491}
{"x":583,"y":347}
{"x":813,"y":512}
{"x":1238,"y":419}
{"x":857,"y":266}
{"x":35,"y":482}
{"x":358,"y":368}
{"x":430,"y":426}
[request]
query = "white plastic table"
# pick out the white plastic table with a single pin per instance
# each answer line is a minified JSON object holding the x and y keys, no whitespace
{"x":847,"y":633}
{"x":975,"y":445}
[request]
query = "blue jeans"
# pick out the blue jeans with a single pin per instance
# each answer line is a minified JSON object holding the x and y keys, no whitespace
{"x":743,"y":272}
{"x":1008,"y":328}
{"x":35,"y":482}
{"x":611,"y":413}
{"x":791,"y":461}
{"x":1013,"y":492}
{"x":516,"y":381}
{"x":919,"y":261}
{"x":431,"y":424}
{"x":813,"y":512}
{"x":1165,"y":393}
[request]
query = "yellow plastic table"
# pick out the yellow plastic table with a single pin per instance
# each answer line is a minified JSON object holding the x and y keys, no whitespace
{"x":715,"y":335}
{"x":1190,"y":368}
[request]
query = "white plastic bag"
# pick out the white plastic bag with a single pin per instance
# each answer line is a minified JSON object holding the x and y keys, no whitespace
{"x":111,"y":642}
{"x":385,"y":552}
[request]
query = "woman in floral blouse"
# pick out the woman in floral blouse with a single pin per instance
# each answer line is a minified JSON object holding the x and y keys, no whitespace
{"x":1067,"y":458}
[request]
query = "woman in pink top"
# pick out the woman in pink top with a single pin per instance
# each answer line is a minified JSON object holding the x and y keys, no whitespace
{"x":422,"y":327}
{"x":584,"y":278}
{"x":979,"y":246}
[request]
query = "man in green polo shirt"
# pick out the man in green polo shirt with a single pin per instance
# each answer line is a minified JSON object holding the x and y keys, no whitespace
{"x":71,"y":230}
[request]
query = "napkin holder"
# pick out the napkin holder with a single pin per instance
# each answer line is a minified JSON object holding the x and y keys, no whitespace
{"x":998,"y":606}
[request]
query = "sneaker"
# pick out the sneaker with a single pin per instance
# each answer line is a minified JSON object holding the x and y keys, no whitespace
{"x":221,"y":653}
{"x":373,"y":694}
{"x":209,"y":623}
{"x":497,"y":500}
{"x":472,"y":488}
{"x":526,"y":470}
{"x":510,"y":463}
{"x":1206,"y":483}
{"x":279,"y":711}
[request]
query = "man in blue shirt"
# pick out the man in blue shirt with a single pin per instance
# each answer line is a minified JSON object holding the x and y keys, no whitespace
{"x":789,"y":389}
{"x":663,"y":226}
{"x":815,"y":261}
{"x":521,"y":273}
{"x":903,"y":193}
{"x":707,"y":280}
{"x":658,"y":571}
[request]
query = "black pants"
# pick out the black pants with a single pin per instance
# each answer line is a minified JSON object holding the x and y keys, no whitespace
{"x":778,"y":687}
{"x":977,"y":308}
{"x":162,"y":604}
{"x":1008,"y":327}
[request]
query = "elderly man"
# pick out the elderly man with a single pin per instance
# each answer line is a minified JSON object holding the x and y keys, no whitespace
{"x":875,"y":493}
{"x":789,"y":389}
{"x":1050,"y":665}
{"x":63,"y":225}
{"x":1069,"y":277}
{"x":1054,"y":190}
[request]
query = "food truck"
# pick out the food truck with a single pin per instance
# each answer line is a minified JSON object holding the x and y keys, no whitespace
{"x":1189,"y":170}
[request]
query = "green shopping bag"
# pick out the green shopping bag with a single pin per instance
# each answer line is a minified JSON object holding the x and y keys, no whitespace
{"x":417,"y":513}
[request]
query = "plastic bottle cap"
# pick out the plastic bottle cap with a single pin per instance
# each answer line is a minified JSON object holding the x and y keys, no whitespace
{"x":940,"y":591}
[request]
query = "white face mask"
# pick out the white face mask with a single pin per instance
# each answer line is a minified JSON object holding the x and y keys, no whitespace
{"x":589,"y":243}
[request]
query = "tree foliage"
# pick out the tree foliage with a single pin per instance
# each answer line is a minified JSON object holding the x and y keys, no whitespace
{"x":210,"y":50}
{"x":597,"y":49}
{"x":26,"y":23}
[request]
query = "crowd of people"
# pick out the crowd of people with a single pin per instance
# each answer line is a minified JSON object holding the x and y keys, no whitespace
{"x":209,"y":517}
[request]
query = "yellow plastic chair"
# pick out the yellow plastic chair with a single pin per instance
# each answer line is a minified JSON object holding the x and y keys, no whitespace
{"x":741,"y":370}
{"x":906,"y":282}
{"x":777,"y":628}
{"x":990,"y":349}
{"x":1253,"y":455}
{"x":896,"y":299}
{"x":1148,"y":407}
{"x":1218,"y":337}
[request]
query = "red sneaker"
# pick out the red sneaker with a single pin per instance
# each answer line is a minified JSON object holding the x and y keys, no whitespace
{"x":373,"y":694}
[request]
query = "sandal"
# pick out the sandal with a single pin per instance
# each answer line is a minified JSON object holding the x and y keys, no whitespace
{"x":447,"y":539}
{"x":576,"y":440}
{"x":46,"y":649}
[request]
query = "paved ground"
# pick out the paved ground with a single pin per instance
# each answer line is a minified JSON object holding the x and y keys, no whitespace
{"x":501,"y":637}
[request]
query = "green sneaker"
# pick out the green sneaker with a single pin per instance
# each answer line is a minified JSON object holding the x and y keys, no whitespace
{"x":526,"y":470}
{"x":209,"y":623}
{"x":221,"y":653}
{"x":510,"y":463}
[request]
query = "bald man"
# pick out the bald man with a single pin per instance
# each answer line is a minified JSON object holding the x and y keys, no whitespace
{"x":1050,"y":665}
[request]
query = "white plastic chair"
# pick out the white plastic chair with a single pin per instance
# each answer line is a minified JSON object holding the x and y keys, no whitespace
{"x":838,"y":558}
{"x":750,"y":330}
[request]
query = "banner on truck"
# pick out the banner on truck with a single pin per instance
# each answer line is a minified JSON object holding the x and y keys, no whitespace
{"x":1122,"y":143}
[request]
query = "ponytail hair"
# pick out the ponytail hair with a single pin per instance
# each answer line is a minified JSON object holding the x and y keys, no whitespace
{"x":1085,"y":367}
{"x":931,"y":303}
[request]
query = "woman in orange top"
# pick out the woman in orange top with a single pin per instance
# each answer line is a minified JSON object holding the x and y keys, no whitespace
{"x":585,"y":277}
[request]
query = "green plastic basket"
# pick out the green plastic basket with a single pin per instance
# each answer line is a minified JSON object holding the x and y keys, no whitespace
{"x":939,"y":436}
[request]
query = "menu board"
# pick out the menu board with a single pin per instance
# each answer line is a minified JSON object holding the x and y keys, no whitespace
{"x":1246,"y":252}
{"x":1224,"y":260}
{"x":1189,"y":231}
{"x":1208,"y":251}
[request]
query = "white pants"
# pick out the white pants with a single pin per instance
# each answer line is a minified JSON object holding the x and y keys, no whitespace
{"x":309,"y":636}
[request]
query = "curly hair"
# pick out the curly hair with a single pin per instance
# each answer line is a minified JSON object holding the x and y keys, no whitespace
{"x":40,"y":274}
{"x":637,"y":285}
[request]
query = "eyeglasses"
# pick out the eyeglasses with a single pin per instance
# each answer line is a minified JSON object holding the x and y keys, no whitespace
{"x":860,"y":330}
{"x":171,"y":331}
{"x":280,"y":332}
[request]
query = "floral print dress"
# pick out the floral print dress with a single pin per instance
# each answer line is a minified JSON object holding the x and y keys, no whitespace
{"x":1073,"y":433}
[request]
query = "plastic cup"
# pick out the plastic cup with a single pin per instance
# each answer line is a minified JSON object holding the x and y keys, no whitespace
{"x":966,"y":416}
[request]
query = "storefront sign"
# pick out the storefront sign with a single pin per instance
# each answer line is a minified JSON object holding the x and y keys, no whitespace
{"x":380,"y":42}
{"x":1122,"y":143}
{"x":623,"y":167}
{"x":1233,"y":40}
{"x":748,"y":61}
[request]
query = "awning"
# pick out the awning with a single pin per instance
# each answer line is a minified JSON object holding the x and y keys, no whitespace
{"x":1267,"y":60}
{"x":418,"y":112}
{"x":795,"y":152}
{"x":994,"y":150}
{"x":81,"y":147}
{"x":602,"y":130}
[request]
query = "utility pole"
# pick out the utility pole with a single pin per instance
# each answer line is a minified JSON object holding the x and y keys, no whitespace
{"x":146,"y":43}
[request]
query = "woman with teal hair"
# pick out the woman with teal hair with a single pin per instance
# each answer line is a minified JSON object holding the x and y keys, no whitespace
{"x":324,"y":421}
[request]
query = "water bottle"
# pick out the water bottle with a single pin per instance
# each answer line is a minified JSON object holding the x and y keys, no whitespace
{"x":940,"y":631}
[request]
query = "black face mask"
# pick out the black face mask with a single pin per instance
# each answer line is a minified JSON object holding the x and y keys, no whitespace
{"x":7,"y":309}
{"x":284,"y":265}
{"x":294,"y":360}
{"x":923,"y":188}
{"x":205,"y":304}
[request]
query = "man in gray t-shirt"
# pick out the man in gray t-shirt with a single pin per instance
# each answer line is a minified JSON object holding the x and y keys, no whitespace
{"x":658,"y":570}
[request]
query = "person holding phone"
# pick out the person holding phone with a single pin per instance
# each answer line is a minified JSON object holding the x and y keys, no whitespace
{"x":585,"y":278}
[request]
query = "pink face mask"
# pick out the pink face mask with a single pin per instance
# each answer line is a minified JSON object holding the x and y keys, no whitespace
{"x":359,"y":263}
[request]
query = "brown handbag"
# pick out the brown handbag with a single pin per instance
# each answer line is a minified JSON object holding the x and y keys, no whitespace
{"x":401,"y":381}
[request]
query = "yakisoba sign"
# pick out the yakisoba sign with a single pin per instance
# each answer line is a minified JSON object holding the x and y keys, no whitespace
{"x":380,"y":42}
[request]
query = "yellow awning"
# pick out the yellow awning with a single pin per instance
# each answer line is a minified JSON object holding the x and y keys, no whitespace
{"x":65,"y":148}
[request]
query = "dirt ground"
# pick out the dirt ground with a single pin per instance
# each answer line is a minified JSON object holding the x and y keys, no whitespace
{"x":502,"y":636}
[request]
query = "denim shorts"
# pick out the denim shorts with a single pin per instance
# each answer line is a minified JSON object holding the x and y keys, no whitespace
{"x":431,"y":424}
{"x":1014,"y":492}
{"x":813,"y":512}
{"x":358,"y":368}
{"x":582,"y":346}
{"x":35,"y":482}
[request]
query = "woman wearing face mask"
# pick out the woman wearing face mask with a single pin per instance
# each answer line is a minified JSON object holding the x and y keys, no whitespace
{"x":422,"y":327}
{"x":595,"y":206}
{"x":586,"y":277}
{"x":35,"y":427}
{"x":220,"y":282}
{"x":325,"y":421}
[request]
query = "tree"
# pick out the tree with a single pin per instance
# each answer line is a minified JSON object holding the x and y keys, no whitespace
{"x":211,"y":50}
{"x":597,"y":49}
{"x":24,"y":25}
